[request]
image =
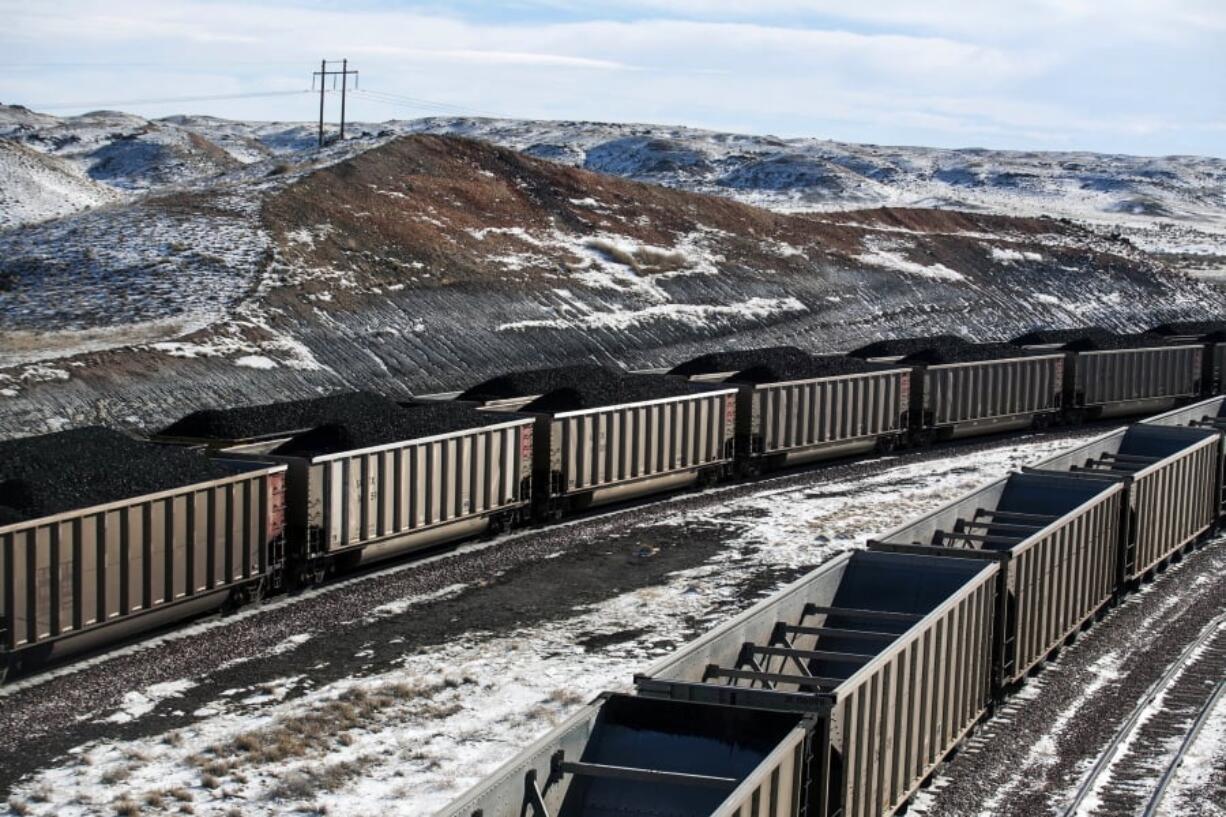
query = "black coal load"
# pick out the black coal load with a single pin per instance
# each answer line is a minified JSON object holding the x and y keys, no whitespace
{"x":902,"y":347}
{"x":741,"y":359}
{"x":70,"y":470}
{"x":272,"y":419}
{"x":1089,"y":339}
{"x":968,"y":353}
{"x":1206,"y":330}
{"x":626,"y":388}
{"x":538,"y":381}
{"x":815,"y":367}
{"x":384,"y":426}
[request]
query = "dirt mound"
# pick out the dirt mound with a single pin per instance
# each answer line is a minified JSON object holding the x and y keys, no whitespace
{"x":53,"y":473}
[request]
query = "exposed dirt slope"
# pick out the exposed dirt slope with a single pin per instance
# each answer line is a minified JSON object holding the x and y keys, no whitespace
{"x":429,"y":263}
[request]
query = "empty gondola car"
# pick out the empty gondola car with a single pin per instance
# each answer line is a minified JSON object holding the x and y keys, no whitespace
{"x":370,"y":478}
{"x":1112,"y":375}
{"x":961,"y":389}
{"x":1212,"y":335}
{"x":636,"y":756}
{"x":604,"y":436}
{"x":890,"y":652}
{"x":1056,"y":539}
{"x":1207,"y":414}
{"x":793,"y":407}
{"x":1172,"y":480}
{"x":102,"y":536}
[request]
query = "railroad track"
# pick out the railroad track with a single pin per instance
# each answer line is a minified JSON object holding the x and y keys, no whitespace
{"x":1130,"y":776}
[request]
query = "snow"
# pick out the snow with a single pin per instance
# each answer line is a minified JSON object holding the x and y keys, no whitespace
{"x":1009,"y":256}
{"x":696,"y":315}
{"x":1205,"y":758}
{"x":453,"y":712}
{"x":889,"y":255}
{"x":137,"y":704}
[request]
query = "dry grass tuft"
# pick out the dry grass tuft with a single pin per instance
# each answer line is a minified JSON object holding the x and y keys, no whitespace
{"x":126,"y":808}
{"x":181,"y":794}
{"x":18,"y":807}
{"x":115,"y":774}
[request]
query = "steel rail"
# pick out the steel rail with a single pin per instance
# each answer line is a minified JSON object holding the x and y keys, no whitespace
{"x":1151,"y":808}
{"x":1108,"y":755}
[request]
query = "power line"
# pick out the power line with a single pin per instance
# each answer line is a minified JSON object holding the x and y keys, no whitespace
{"x":398,"y":100}
{"x":323,"y":73}
{"x":165,"y":100}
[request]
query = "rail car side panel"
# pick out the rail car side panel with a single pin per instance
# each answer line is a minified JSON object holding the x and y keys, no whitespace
{"x":79,"y":571}
{"x":1123,"y":376}
{"x":358,"y":499}
{"x":805,"y":414}
{"x":961,"y":393}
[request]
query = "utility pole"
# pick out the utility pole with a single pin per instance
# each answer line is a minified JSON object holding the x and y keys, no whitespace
{"x":323,"y":73}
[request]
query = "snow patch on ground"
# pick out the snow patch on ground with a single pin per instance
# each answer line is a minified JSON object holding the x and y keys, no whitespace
{"x":889,"y":255}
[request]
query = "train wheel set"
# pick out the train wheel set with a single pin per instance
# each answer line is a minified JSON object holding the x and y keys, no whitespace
{"x":103,"y":535}
{"x":842,"y":693}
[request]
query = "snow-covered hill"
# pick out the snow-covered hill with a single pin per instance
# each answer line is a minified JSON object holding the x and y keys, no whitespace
{"x":1174,"y":206}
{"x":37,"y":186}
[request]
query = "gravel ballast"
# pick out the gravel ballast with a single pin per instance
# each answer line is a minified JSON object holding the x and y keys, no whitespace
{"x":69,"y":470}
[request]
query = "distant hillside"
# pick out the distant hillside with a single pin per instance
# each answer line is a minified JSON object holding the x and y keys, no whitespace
{"x":36,"y":186}
{"x":426,"y":263}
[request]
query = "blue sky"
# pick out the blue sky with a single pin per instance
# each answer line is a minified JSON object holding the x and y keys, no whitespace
{"x":1130,"y":76}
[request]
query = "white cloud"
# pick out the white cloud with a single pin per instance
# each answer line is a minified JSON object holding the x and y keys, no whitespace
{"x":1128,"y":75}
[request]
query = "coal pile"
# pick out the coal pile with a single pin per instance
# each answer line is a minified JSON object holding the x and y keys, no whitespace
{"x":968,"y":353}
{"x":245,"y":422}
{"x":382,"y":426}
{"x":1208,"y":330}
{"x":538,"y":381}
{"x":903,"y":347}
{"x":1061,"y":337}
{"x":69,"y":470}
{"x":1091,"y":339}
{"x":742,"y":359}
{"x":815,"y":367}
{"x":611,"y":391}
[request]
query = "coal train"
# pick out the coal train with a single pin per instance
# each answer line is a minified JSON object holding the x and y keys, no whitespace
{"x":104,"y":535}
{"x":842,"y":693}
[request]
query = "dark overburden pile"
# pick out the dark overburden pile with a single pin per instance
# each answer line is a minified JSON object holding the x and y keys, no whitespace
{"x":1210,"y":330}
{"x":824,"y":366}
{"x":245,"y":422}
{"x":967,"y":353}
{"x":383,"y":426}
{"x":68,"y":470}
{"x":742,"y":359}
{"x":902,"y":347}
{"x":538,"y":381}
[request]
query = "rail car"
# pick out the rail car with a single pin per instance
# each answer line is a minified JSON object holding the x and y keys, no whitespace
{"x":1172,"y":486}
{"x":368,"y":478}
{"x":896,"y":652}
{"x":380,"y":479}
{"x":630,"y":755}
{"x":1211,"y":335}
{"x":793,"y":407}
{"x":603,"y":436}
{"x":1112,"y":375}
{"x":962,"y":389}
{"x":78,"y":578}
